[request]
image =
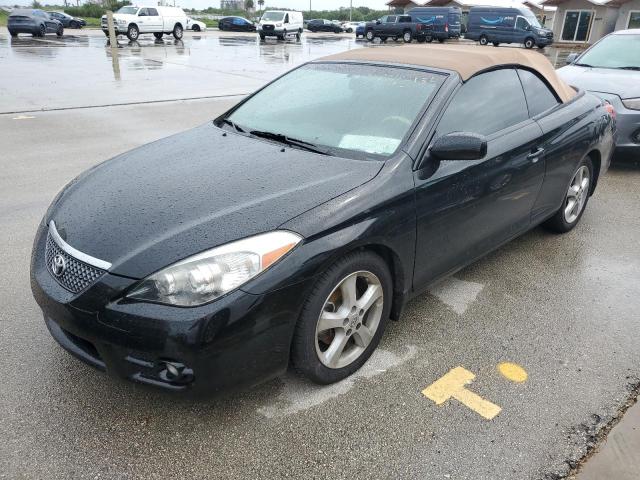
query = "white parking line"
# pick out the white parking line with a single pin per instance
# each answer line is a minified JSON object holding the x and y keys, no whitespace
{"x":457,"y":294}
{"x":299,"y":394}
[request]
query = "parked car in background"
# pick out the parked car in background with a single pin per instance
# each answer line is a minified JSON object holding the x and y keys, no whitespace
{"x":321,"y":25}
{"x":349,"y":27}
{"x":445,"y":22}
{"x":134,"y":21}
{"x":610,"y":69}
{"x":34,"y":21}
{"x":308,"y":230}
{"x":498,"y":25}
{"x":196,"y":25}
{"x":67,"y":20}
{"x":236,"y":24}
{"x":360,"y":29}
{"x":281,"y":24}
{"x":398,"y":27}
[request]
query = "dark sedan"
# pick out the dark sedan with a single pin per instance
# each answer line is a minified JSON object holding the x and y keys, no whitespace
{"x":323,"y":26}
{"x":67,"y":20}
{"x":34,"y":21}
{"x":236,"y":24}
{"x":287,"y":234}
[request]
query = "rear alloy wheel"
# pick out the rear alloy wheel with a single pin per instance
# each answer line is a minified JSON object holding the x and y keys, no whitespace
{"x":529,"y":43}
{"x":343,"y":319}
{"x":369,"y":35}
{"x":575,"y":200}
{"x":178,"y":31}
{"x":483,"y":40}
{"x":196,"y":28}
{"x":407,"y":37}
{"x":74,"y":24}
{"x":495,"y":44}
{"x":133,"y":33}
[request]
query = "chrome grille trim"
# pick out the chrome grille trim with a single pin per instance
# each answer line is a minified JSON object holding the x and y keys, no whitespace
{"x":77,"y":254}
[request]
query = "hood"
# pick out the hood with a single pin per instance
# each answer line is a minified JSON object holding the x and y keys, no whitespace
{"x":176,"y":197}
{"x":624,"y":83}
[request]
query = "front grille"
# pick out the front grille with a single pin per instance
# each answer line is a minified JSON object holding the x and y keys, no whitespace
{"x":76,"y":275}
{"x":268,"y":27}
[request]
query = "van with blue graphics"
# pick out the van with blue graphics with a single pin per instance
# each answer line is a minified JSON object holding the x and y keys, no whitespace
{"x":445,"y":21}
{"x":507,"y":25}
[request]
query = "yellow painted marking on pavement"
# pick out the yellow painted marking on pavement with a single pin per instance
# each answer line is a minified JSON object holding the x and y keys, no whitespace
{"x":23,"y":117}
{"x":513,"y":372}
{"x":452,"y":385}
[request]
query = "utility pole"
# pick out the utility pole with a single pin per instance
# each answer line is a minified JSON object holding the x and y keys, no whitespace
{"x":350,"y":10}
{"x":309,"y":6}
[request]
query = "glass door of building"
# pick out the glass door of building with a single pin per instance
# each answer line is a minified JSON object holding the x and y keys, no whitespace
{"x":577,"y":25}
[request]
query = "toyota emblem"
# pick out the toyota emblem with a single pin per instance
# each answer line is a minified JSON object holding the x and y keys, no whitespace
{"x":58,"y":265}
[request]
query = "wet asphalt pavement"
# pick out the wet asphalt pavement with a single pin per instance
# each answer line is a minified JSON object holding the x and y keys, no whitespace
{"x":565,"y":308}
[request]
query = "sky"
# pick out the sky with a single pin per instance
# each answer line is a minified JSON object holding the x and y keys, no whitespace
{"x":293,"y":4}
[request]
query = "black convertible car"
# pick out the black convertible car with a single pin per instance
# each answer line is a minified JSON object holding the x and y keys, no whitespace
{"x":280,"y":233}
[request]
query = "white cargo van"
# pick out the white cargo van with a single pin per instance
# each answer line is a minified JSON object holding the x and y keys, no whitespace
{"x":281,"y":24}
{"x":133,"y":21}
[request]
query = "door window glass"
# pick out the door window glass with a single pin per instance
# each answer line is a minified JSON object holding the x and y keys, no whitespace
{"x":539,"y":97}
{"x":480,"y":107}
{"x":391,"y":19}
{"x":634,"y":20}
{"x":577,"y":25}
{"x":152,"y":12}
{"x":143,"y":12}
{"x":521,"y":23}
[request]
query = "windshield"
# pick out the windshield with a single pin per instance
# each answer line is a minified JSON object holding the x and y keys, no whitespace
{"x":533,"y":21}
{"x":352,"y":107}
{"x":273,"y":16}
{"x":614,"y":51}
{"x":128,"y":10}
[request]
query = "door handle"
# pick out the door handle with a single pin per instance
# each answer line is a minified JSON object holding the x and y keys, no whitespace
{"x":534,"y":156}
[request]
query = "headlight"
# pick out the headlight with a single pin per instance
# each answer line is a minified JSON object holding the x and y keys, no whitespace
{"x":632,"y":103}
{"x":278,"y":24}
{"x":204,"y":277}
{"x":121,"y":21}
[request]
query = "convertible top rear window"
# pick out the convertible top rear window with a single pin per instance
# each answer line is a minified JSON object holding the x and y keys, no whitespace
{"x":351,"y":107}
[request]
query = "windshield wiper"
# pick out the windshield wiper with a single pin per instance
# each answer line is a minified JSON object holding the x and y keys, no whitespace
{"x":583,"y":65}
{"x":628,"y":68}
{"x":235,"y":126}
{"x":294,"y":142}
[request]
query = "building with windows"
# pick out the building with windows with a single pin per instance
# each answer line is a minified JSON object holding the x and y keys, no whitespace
{"x":232,"y":4}
{"x":587,"y":21}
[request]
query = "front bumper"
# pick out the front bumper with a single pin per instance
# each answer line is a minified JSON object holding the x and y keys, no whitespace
{"x":544,"y":41}
{"x":235,"y":342}
{"x":627,"y":127}
{"x":275,"y":32}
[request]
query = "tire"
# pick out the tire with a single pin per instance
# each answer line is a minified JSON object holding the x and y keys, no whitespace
{"x":350,"y":30}
{"x":428,"y":39}
{"x":106,"y":33}
{"x":74,"y":25}
{"x":262,"y":38}
{"x":541,"y":47}
{"x":196,"y":28}
{"x":133,"y":33}
{"x":421,"y":39}
{"x":369,"y":35}
{"x":42,"y":31}
{"x":562,"y":222}
{"x":529,"y":43}
{"x":158,"y":35}
{"x":407,"y":36}
{"x":496,"y":44}
{"x":357,"y":273}
{"x":441,"y":40}
{"x":13,"y":34}
{"x":298,"y":36}
{"x":483,"y":40}
{"x":178,"y":31}
{"x":60,"y":31}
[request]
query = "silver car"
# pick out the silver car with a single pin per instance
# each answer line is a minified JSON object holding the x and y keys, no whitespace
{"x":610,"y":69}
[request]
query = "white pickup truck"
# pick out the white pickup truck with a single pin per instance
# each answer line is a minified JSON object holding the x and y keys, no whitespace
{"x":133,"y":21}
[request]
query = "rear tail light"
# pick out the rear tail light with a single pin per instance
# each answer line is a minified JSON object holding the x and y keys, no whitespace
{"x":446,"y":27}
{"x":609,"y":108}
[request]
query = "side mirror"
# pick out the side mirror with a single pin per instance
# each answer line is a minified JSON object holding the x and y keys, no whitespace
{"x":528,"y":28}
{"x":572,"y":57}
{"x":378,"y":22}
{"x":459,"y":146}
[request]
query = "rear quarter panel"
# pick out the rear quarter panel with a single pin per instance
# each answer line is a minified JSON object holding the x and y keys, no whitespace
{"x":571,"y":132}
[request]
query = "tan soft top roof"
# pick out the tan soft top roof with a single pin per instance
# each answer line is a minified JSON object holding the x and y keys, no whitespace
{"x":467,"y":60}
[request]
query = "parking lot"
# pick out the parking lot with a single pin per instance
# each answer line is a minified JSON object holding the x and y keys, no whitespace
{"x":562,"y":307}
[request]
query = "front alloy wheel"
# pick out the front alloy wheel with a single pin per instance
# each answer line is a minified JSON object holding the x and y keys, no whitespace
{"x":529,"y":43}
{"x":343,"y":318}
{"x":369,"y":35}
{"x":133,"y":32}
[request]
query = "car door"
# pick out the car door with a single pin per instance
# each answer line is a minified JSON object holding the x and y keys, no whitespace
{"x":154,"y":20}
{"x":465,"y":208}
{"x":143,"y":20}
{"x":521,"y":30}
